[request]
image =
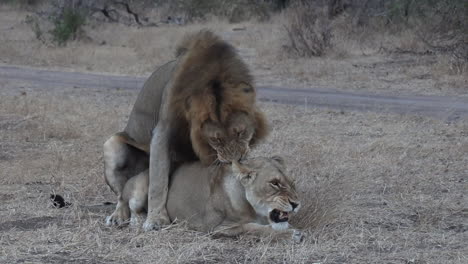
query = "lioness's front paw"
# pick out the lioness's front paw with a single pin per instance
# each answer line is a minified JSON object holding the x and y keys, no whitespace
{"x":297,"y":236}
{"x":155,"y":223}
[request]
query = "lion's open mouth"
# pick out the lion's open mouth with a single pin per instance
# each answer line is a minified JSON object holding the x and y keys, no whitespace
{"x":279,"y":216}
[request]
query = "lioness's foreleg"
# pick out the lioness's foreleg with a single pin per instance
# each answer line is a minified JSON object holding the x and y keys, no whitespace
{"x":261,"y":231}
{"x":136,"y":193}
{"x":158,"y":177}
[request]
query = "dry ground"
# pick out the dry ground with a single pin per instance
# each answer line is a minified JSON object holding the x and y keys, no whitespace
{"x":375,"y":188}
{"x":358,"y":62}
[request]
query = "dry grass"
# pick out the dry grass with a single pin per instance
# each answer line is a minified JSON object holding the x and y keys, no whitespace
{"x":359,"y":61}
{"x":375,"y":188}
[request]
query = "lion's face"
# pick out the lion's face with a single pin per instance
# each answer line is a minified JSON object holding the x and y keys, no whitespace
{"x":231,"y":141}
{"x":270,"y":192}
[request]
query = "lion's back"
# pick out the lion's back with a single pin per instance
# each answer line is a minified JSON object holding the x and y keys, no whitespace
{"x":145,"y":112}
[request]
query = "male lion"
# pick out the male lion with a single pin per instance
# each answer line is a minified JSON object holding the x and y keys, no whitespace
{"x":200,"y":106}
{"x":252,"y":197}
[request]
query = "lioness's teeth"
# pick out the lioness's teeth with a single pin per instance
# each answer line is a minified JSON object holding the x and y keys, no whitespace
{"x":283,"y":214}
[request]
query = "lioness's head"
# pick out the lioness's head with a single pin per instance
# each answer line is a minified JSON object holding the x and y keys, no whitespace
{"x":268,"y":190}
{"x":231,"y":141}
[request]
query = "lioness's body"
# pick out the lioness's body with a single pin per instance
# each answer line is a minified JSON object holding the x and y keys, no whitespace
{"x":223,"y":200}
{"x":204,"y":207}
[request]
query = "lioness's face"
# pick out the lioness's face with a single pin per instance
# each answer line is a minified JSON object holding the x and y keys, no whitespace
{"x":231,"y":142}
{"x":270,"y":192}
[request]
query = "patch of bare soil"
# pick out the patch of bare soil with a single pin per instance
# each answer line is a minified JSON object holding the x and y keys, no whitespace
{"x":375,"y":188}
{"x":27,"y":224}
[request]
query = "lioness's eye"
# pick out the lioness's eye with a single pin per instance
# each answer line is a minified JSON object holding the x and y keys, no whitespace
{"x":275,"y":183}
{"x":250,"y":174}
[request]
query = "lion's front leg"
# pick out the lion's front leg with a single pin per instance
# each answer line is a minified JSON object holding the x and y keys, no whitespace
{"x":261,"y":231}
{"x":158,"y":178}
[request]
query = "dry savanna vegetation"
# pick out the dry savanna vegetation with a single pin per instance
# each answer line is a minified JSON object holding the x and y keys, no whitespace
{"x":375,"y":188}
{"x":392,"y":47}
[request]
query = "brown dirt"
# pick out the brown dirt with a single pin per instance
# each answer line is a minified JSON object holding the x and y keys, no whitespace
{"x":447,"y":108}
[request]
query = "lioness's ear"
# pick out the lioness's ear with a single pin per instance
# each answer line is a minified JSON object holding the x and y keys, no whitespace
{"x":247,"y":178}
{"x":279,"y":160}
{"x":243,"y":174}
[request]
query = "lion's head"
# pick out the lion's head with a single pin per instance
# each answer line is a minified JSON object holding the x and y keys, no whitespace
{"x":231,"y":141}
{"x":268,"y":190}
{"x":214,"y":96}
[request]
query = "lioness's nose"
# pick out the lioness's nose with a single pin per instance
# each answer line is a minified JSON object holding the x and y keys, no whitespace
{"x":294,"y":205}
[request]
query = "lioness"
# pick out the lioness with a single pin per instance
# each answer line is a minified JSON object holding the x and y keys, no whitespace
{"x":199,"y":107}
{"x":253,"y":197}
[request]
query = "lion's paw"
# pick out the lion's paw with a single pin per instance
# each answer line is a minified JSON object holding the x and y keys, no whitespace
{"x":155,"y":223}
{"x":115,"y":220}
{"x":297,"y":236}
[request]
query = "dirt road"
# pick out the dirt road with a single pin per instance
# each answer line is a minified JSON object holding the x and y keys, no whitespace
{"x":449,"y":108}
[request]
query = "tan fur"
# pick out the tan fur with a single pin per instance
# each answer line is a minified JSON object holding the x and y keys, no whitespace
{"x":125,"y":139}
{"x":208,"y":86}
{"x":240,"y":203}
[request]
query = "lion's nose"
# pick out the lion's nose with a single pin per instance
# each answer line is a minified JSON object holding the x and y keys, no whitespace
{"x":294,"y":205}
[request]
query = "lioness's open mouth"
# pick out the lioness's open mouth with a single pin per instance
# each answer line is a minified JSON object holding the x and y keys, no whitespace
{"x":278,"y":216}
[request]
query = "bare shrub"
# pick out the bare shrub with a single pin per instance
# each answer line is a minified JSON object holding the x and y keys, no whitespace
{"x":443,"y":27}
{"x":309,"y":30}
{"x":234,"y":11}
{"x":23,"y":3}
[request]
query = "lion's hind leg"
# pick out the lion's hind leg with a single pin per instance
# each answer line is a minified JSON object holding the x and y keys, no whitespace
{"x":121,"y":214}
{"x":133,"y":202}
{"x":122,"y":161}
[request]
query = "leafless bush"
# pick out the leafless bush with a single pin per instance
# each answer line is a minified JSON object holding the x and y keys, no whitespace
{"x":442,"y":26}
{"x":233,"y":10}
{"x":309,"y":31}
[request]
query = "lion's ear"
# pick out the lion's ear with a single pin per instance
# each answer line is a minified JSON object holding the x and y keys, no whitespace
{"x":279,"y":160}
